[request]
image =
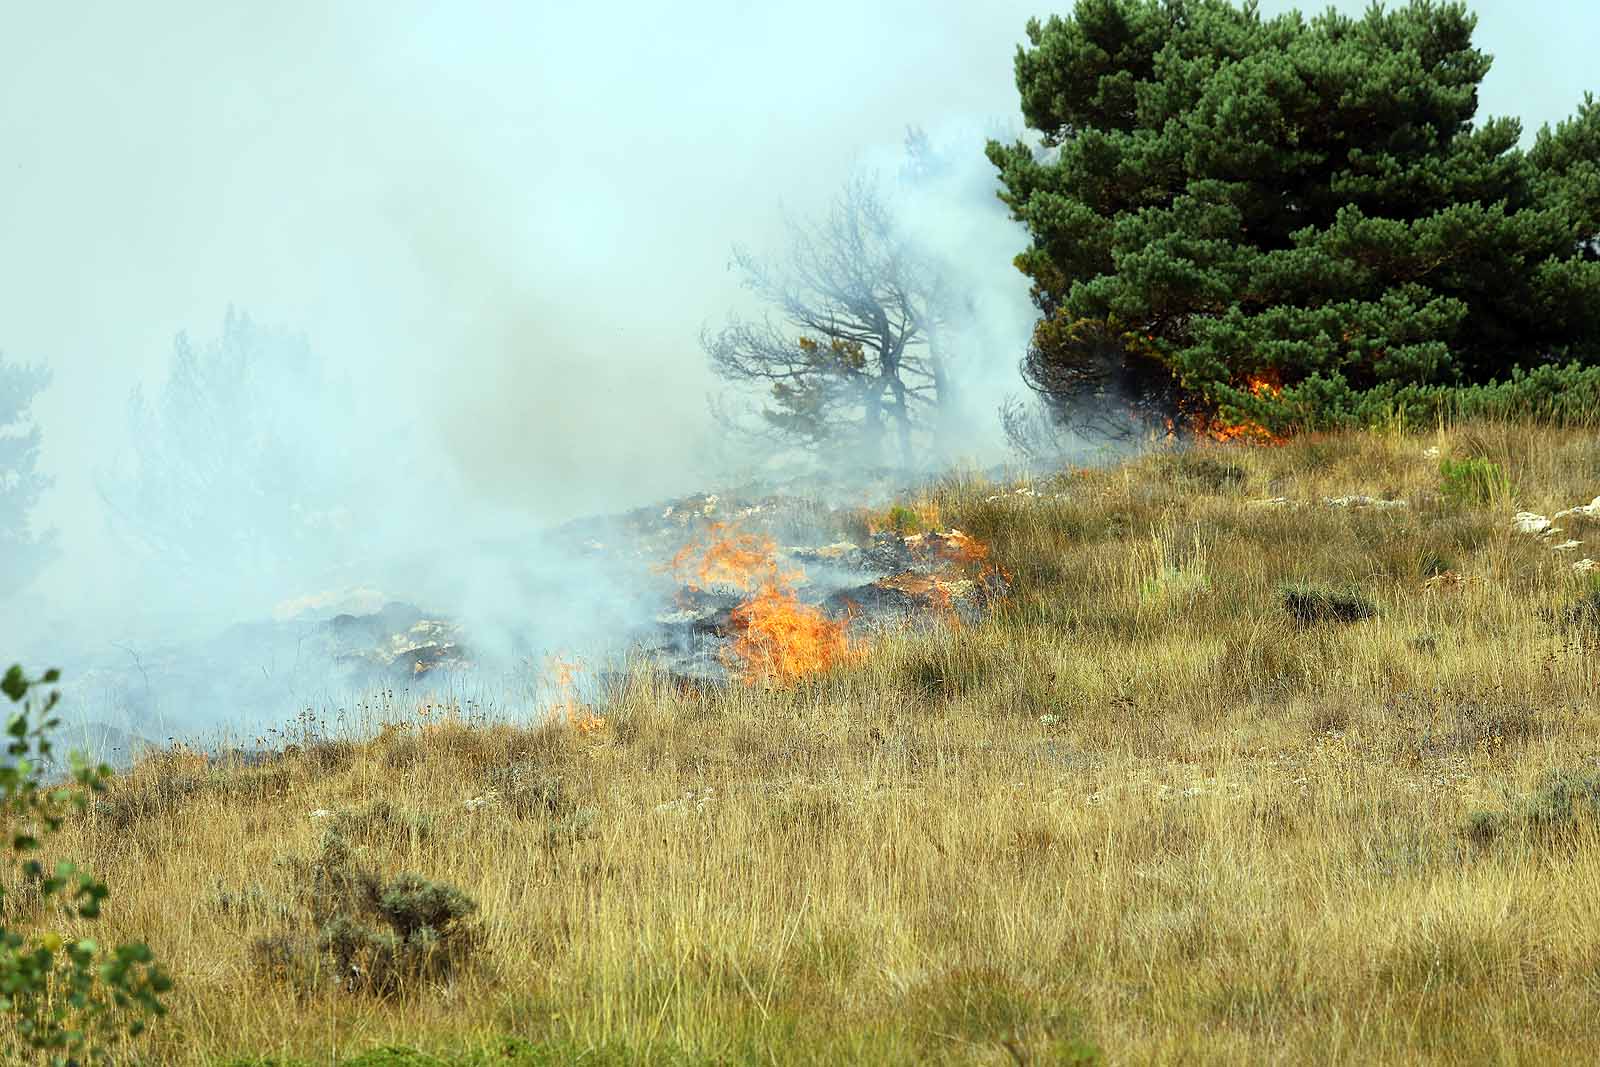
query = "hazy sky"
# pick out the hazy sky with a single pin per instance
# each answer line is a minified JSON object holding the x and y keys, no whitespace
{"x":509,"y":222}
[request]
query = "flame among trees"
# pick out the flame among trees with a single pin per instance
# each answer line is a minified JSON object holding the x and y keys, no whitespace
{"x":1213,"y":194}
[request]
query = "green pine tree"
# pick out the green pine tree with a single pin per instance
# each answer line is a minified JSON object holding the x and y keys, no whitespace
{"x":1227,"y":204}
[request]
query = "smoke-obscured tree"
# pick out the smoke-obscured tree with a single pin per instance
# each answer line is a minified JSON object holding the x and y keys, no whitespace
{"x":850,"y":358}
{"x":236,"y":477}
{"x":1225,"y":204}
{"x":23,"y":549}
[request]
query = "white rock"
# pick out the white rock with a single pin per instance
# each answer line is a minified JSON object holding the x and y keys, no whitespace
{"x":321,"y":813}
{"x":1566,"y":546}
{"x":354,"y":600}
{"x":1589,"y":511}
{"x":1585,"y":565}
{"x":1528,"y":522}
{"x":1432,"y":452}
{"x":1359,"y":501}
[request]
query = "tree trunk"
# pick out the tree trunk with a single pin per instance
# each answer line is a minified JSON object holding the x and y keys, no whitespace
{"x":943,"y":402}
{"x":902,"y":417}
{"x":872,"y":421}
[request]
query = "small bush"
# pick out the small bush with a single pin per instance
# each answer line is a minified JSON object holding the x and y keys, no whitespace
{"x":373,"y":936}
{"x":158,"y":784}
{"x":1309,"y":605}
{"x":1174,"y":585}
{"x":425,"y":936}
{"x":1565,"y":802}
{"x":380,"y":822}
{"x":528,"y":791}
{"x":948,"y":673}
{"x":1582,"y":613}
{"x":1211,"y":474}
{"x":902,"y":520}
{"x":1473,"y":481}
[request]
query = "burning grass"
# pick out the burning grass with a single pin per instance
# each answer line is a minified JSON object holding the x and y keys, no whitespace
{"x":776,"y":638}
{"x":1126,"y":811}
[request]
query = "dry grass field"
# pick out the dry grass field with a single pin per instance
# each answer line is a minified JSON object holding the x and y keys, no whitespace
{"x":1144,"y":813}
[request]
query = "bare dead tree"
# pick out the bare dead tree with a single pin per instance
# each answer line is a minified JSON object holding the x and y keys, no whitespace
{"x":851,"y":352}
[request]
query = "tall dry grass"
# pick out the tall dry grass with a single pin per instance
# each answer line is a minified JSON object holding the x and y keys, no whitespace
{"x":1140,"y":808}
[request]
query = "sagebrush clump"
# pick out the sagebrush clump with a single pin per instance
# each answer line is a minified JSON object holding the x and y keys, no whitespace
{"x":368,"y":934}
{"x":1308,"y":605}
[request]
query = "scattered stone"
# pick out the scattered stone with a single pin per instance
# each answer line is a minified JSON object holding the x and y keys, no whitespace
{"x":1359,"y":501}
{"x":841,"y":552}
{"x":1590,"y":510}
{"x":1585,"y":565}
{"x":1530,"y":523}
{"x":685,"y":511}
{"x":1025,"y":492}
{"x":693,"y":802}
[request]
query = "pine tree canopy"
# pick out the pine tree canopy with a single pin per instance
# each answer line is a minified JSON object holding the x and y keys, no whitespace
{"x":1269,"y":217}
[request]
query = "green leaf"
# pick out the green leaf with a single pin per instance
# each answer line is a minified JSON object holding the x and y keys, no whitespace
{"x":15,"y":686}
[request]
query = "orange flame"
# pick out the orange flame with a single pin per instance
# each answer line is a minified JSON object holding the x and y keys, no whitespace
{"x":1263,"y":384}
{"x":777,"y":638}
{"x":957,"y":547}
{"x":743,"y":561}
{"x":780,"y":639}
{"x":580,"y":716}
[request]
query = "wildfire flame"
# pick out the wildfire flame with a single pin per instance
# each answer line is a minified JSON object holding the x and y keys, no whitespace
{"x":563,"y":675}
{"x":780,"y":639}
{"x":728,"y":558}
{"x":955,"y":547}
{"x":1265,"y":383}
{"x":777,"y":638}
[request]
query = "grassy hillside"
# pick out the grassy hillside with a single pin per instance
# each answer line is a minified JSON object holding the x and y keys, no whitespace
{"x":1167,"y":804}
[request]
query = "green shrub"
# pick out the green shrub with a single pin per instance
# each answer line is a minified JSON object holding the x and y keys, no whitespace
{"x":370,"y":935}
{"x":1211,"y":474}
{"x":380,"y":822}
{"x":1174,"y":585}
{"x":1548,"y":395}
{"x":1582,"y":613}
{"x":63,"y":1002}
{"x":1473,"y":481}
{"x":1308,"y":605}
{"x":528,"y":791}
{"x":903,"y":520}
{"x":1564,"y":802}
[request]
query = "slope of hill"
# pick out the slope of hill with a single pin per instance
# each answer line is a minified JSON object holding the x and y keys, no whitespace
{"x":1267,"y":755}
